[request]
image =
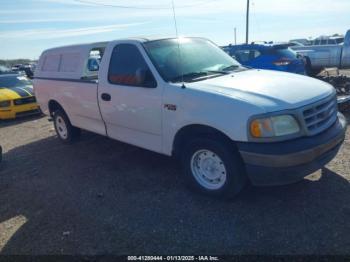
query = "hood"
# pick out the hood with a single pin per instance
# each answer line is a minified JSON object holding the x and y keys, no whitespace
{"x":15,"y":92}
{"x":270,"y":90}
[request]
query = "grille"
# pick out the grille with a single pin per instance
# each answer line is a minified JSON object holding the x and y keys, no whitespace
{"x":25,"y":100}
{"x":320,"y":116}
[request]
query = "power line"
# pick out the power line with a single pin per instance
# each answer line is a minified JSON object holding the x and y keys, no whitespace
{"x":141,"y":7}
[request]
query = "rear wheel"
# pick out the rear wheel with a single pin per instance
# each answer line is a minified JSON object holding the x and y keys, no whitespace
{"x":213,"y":167}
{"x":64,"y":129}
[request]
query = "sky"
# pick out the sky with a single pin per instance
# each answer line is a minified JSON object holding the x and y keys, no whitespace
{"x":27,"y":27}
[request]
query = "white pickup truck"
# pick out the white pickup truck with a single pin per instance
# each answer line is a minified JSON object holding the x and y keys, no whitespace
{"x":322,"y":54}
{"x":187,"y":98}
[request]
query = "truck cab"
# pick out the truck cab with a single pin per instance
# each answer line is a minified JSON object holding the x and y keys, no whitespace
{"x":186,"y":98}
{"x":326,"y":52}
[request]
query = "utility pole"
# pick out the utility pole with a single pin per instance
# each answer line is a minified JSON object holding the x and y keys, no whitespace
{"x":247,"y":24}
{"x":235,"y":36}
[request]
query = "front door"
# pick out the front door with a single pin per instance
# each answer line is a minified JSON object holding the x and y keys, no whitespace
{"x":130,"y":98}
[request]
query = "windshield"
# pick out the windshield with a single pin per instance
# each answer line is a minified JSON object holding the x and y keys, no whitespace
{"x":14,"y":81}
{"x":189,"y":59}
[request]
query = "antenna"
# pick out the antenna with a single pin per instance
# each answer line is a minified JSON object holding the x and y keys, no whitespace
{"x":235,"y":36}
{"x":247,"y":24}
{"x":178,"y":44}
{"x":174,"y":15}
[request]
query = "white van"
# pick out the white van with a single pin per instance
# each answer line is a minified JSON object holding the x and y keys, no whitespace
{"x":187,"y":98}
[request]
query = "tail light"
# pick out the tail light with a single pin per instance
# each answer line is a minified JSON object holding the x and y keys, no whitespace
{"x":282,"y":62}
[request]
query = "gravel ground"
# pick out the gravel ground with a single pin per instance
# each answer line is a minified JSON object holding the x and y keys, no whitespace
{"x":100,"y":196}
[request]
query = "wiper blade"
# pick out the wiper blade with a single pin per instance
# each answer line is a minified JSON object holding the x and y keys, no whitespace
{"x":188,"y":76}
{"x":230,"y":68}
{"x":223,"y":72}
{"x":198,"y":75}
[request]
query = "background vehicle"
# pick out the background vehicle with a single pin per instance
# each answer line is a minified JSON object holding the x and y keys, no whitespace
{"x":28,"y":69}
{"x":16,"y":68}
{"x":186,"y":98}
{"x":16,"y":96}
{"x":267,"y":56}
{"x":326,"y":53}
{"x":328,"y":40}
{"x":300,"y":42}
{"x":4,"y":70}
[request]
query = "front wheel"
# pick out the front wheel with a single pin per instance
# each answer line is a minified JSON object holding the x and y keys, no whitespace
{"x":214,"y":167}
{"x":64,"y":129}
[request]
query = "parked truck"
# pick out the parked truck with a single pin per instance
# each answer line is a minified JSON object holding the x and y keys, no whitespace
{"x":323,"y":55}
{"x":186,"y":98}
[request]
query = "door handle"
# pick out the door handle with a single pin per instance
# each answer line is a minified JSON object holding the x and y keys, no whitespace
{"x":106,"y":97}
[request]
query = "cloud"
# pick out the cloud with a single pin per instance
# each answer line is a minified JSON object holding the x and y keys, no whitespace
{"x":136,"y":4}
{"x":185,"y":7}
{"x":211,"y":6}
{"x":40,"y":21}
{"x":47,"y":20}
{"x":64,"y":33}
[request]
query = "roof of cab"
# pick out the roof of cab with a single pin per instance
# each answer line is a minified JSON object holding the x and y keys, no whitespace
{"x":86,"y":45}
{"x":102,"y":44}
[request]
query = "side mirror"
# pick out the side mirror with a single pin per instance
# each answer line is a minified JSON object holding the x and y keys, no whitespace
{"x":145,"y":78}
{"x":140,"y":75}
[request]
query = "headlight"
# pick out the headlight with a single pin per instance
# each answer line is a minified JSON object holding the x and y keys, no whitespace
{"x":5,"y":103}
{"x":274,"y":126}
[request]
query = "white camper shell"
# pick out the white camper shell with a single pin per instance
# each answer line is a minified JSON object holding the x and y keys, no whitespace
{"x":70,"y":62}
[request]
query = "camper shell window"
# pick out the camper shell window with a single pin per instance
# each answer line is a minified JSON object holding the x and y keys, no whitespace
{"x":51,"y":63}
{"x":70,"y":62}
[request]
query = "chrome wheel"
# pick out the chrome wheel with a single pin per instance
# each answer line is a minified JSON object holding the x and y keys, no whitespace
{"x":208,"y":169}
{"x":61,"y":127}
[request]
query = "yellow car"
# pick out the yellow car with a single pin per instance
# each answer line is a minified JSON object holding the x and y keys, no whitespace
{"x":16,"y":97}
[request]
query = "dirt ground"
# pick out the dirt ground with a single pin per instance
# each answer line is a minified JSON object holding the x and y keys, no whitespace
{"x":100,"y":196}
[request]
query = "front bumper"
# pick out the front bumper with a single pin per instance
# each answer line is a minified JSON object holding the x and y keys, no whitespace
{"x":290,"y":161}
{"x":17,"y":111}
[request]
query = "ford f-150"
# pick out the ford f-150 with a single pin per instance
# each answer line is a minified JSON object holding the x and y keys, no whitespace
{"x":185,"y":97}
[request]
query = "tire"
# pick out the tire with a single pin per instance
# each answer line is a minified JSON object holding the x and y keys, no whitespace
{"x":316,"y":72}
{"x":64,"y":129}
{"x":309,"y":70}
{"x":213,"y":167}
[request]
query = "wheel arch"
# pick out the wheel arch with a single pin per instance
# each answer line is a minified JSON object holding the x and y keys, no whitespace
{"x":53,"y":106}
{"x":196,"y":130}
{"x":310,"y":69}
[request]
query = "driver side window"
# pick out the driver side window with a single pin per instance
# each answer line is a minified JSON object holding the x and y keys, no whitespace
{"x":128,"y":67}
